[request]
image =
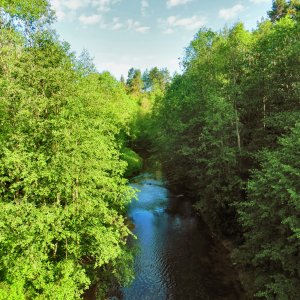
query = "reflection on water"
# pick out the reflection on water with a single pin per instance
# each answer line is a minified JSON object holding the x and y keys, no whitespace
{"x":177,"y":259}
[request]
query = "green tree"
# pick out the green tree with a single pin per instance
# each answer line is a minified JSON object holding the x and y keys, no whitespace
{"x":29,"y":10}
{"x":156,"y":79}
{"x":62,"y":189}
{"x":271,"y":219}
{"x":134,"y":82}
{"x":84,"y":64}
{"x":282,"y":8}
{"x":228,"y":111}
{"x":279,"y":10}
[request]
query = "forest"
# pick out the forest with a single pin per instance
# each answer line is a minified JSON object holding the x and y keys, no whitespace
{"x":226,"y":131}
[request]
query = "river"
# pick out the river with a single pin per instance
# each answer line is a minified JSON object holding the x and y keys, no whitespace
{"x":177,"y":258}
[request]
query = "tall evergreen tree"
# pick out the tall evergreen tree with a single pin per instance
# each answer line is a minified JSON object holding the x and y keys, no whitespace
{"x":134,"y":82}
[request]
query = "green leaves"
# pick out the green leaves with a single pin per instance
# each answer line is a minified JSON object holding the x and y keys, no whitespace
{"x":63,"y":194}
{"x":272,"y":222}
{"x":29,"y":13}
{"x":226,"y":115}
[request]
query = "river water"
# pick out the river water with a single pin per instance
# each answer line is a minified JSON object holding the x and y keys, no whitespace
{"x":177,"y":258}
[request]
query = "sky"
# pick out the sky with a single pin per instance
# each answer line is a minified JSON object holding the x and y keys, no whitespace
{"x":120,"y":34}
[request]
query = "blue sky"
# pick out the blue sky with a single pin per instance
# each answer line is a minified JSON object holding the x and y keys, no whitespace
{"x":121,"y":34}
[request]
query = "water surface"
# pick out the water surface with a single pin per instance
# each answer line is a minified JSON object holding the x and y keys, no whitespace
{"x":177,"y":258}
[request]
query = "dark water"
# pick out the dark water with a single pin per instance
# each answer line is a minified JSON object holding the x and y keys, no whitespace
{"x":178,"y":258}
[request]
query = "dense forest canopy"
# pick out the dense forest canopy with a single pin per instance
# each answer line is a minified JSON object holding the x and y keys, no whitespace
{"x":226,"y":131}
{"x":63,"y":226}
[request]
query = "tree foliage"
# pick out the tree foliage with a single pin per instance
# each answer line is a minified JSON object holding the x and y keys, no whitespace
{"x":28,"y":10}
{"x":134,"y":82}
{"x":226,"y":133}
{"x":156,"y":79}
{"x":271,"y":219}
{"x":282,"y":8}
{"x":63,"y":194}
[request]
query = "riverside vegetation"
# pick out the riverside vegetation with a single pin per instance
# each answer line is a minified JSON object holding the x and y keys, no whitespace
{"x":64,"y":132}
{"x":226,"y":130}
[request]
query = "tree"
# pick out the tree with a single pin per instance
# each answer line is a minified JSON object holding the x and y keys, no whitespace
{"x":271,"y":221}
{"x":84,"y":64}
{"x":122,"y":79}
{"x":156,"y":79}
{"x":238,"y":95}
{"x":31,"y":10}
{"x":281,"y":8}
{"x":62,"y":188}
{"x":134,"y":82}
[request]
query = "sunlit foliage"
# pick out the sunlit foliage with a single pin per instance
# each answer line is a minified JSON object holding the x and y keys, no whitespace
{"x":63,"y":195}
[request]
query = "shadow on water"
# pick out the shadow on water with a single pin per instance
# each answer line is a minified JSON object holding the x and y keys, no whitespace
{"x":178,"y":258}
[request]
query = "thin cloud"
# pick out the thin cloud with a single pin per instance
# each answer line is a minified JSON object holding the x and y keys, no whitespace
{"x":129,"y":24}
{"x":173,"y":3}
{"x":229,"y":13}
{"x":173,"y":22}
{"x":65,"y":8}
{"x":136,"y":26}
{"x":103,"y":5}
{"x":74,"y":4}
{"x":168,"y":31}
{"x":116,"y":25}
{"x":144,"y":6}
{"x":90,"y":20}
{"x":260,"y":1}
{"x":57,"y":5}
{"x":142,"y":29}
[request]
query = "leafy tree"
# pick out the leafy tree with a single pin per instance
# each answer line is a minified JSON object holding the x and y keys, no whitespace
{"x":271,"y":220}
{"x":134,"y":82}
{"x":156,"y":79}
{"x":281,"y":8}
{"x":29,"y":10}
{"x":62,"y":188}
{"x":229,"y":115}
{"x":84,"y":64}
